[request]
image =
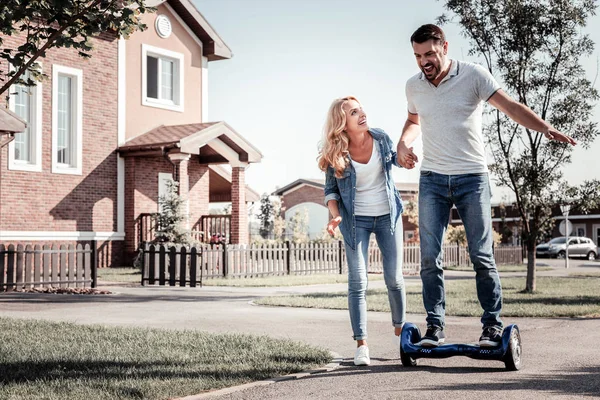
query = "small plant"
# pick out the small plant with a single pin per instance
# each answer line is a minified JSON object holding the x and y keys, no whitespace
{"x":171,"y":218}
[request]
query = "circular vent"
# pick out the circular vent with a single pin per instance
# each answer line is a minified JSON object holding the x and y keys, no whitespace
{"x":163,"y":26}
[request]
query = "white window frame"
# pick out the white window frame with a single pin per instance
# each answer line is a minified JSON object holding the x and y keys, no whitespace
{"x":35,"y":132}
{"x":178,"y":78}
{"x":576,"y":227}
{"x":77,"y":123}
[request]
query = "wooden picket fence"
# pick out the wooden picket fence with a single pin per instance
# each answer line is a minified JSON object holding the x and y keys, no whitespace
{"x":178,"y":265}
{"x":43,"y":266}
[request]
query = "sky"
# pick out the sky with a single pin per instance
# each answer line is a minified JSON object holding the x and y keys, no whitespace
{"x":292,"y":58}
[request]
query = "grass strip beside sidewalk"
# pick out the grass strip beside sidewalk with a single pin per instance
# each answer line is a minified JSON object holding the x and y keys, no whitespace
{"x":68,"y":361}
{"x":573,"y":296}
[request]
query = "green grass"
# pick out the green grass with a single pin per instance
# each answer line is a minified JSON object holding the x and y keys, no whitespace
{"x":286,"y":280}
{"x":501,"y":268}
{"x":555,"y":297}
{"x":124,"y":275}
{"x":46,"y":360}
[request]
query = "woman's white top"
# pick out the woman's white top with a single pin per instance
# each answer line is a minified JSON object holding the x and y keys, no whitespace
{"x":371,"y":198}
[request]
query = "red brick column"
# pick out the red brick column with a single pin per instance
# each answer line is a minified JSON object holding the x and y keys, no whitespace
{"x":199,"y":196}
{"x":131,"y":229}
{"x":239,"y":213}
{"x":181,"y":162}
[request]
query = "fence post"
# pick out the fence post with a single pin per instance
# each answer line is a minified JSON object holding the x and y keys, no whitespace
{"x":94,"y":264}
{"x":288,"y":258}
{"x":340,"y":263}
{"x":225,"y":259}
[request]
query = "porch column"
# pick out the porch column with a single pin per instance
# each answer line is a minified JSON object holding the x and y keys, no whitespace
{"x":199,"y":193}
{"x":180,"y":174}
{"x":132,"y":227}
{"x":239,"y":212}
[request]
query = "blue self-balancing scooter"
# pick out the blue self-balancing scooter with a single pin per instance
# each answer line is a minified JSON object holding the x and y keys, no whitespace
{"x":508,"y":351}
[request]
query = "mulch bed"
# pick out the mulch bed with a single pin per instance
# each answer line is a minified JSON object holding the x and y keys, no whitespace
{"x":53,"y":290}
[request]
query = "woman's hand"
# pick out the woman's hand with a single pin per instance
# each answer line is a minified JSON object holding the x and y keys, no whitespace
{"x":333,"y":224}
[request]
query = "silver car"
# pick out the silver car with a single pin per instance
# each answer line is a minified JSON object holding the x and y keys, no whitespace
{"x":578,"y":247}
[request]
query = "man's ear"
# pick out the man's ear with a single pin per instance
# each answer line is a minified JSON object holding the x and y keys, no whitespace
{"x":445,"y":48}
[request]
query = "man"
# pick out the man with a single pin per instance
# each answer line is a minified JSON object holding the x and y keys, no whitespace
{"x":445,"y":103}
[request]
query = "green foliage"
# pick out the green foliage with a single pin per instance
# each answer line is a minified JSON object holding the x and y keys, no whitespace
{"x":298,"y":227}
{"x":171,"y":218}
{"x":50,"y":24}
{"x":266,"y":215}
{"x":534,"y":48}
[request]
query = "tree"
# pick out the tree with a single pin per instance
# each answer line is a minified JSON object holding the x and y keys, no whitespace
{"x":266,"y":214}
{"x":170,"y":219}
{"x":535,"y":48}
{"x":411,"y":210}
{"x":50,"y":24}
{"x":298,"y":226}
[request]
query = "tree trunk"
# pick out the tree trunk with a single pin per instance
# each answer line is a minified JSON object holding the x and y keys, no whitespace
{"x":530,"y":284}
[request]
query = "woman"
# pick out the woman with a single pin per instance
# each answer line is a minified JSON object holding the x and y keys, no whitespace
{"x":362,"y":199}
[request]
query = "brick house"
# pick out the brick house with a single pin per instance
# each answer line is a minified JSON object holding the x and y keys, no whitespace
{"x":307,"y":194}
{"x":105,"y":134}
{"x":507,"y":221}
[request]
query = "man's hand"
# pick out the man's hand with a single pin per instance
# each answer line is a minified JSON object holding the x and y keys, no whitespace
{"x":406,"y":156}
{"x":553,"y":134}
{"x":333,"y":224}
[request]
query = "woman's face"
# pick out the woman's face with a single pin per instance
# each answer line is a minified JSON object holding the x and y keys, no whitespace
{"x":356,"y":118}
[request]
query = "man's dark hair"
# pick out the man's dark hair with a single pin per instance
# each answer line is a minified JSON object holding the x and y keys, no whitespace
{"x":428,"y":32}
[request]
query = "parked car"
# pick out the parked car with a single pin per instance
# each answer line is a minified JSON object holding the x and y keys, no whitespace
{"x":578,"y":247}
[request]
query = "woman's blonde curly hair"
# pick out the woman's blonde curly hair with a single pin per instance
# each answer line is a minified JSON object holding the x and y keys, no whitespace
{"x":333,"y":149}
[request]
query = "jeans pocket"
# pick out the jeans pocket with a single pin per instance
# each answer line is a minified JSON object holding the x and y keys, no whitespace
{"x":425,"y":173}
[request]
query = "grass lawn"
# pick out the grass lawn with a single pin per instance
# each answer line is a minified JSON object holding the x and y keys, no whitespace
{"x":123,"y":275}
{"x":574,"y":296}
{"x":48,"y":360}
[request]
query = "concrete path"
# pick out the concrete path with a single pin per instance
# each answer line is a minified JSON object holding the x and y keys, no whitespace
{"x":561,"y":356}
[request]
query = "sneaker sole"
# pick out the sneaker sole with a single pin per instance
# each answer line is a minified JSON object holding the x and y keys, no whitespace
{"x":430,"y":343}
{"x":361,"y":363}
{"x":488,"y":343}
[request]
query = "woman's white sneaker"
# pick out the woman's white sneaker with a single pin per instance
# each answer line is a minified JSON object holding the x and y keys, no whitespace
{"x":361,"y":357}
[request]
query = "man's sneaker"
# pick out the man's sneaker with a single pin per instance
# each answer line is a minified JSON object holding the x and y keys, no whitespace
{"x":433,"y":337}
{"x":361,"y":357}
{"x":491,"y":336}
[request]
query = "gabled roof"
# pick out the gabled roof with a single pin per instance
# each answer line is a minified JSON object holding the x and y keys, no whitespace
{"x":213,"y":142}
{"x":251,"y":194}
{"x":214,"y":48}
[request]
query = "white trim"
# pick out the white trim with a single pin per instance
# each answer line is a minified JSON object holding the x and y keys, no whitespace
{"x":77,"y":74}
{"x":120,"y":194}
{"x":56,"y":235}
{"x":577,"y":226}
{"x":558,"y":218}
{"x":122,"y":91}
{"x":35,"y":131}
{"x":204,"y":90}
{"x":178,"y":89}
{"x":179,"y":156}
{"x":231,"y":155}
{"x":157,"y":26}
{"x":184,"y":25}
{"x":571,"y":217}
{"x":121,"y":137}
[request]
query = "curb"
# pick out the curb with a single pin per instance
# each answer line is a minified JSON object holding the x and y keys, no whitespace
{"x":334,"y":364}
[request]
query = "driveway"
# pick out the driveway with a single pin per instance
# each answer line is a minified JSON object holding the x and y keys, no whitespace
{"x":561,"y":356}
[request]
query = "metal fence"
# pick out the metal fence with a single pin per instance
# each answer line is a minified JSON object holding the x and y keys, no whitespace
{"x":180,"y":265}
{"x":66,"y":265}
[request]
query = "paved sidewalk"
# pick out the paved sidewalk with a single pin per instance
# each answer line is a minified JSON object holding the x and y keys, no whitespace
{"x":561,"y":356}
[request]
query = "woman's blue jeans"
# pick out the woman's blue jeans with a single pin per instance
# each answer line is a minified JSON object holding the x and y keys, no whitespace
{"x":471,"y":194}
{"x":392,"y":255}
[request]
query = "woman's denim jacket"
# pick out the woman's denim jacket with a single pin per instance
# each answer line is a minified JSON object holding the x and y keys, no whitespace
{"x":344,"y":189}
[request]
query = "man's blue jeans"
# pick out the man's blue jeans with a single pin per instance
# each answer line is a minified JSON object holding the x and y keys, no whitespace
{"x":392,"y":254}
{"x":471,"y":195}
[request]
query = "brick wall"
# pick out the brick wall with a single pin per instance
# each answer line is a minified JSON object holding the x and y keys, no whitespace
{"x":56,"y":202}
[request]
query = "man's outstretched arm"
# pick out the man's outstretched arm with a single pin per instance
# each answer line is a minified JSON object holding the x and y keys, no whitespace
{"x":524,"y":116}
{"x":406,"y":157}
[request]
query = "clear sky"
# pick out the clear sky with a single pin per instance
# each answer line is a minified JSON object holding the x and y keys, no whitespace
{"x":292,"y":58}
